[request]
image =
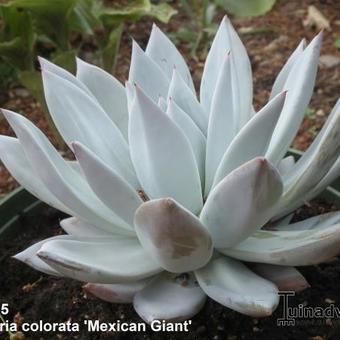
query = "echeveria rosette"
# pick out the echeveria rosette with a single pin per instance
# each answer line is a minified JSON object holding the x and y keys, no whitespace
{"x":170,"y":194}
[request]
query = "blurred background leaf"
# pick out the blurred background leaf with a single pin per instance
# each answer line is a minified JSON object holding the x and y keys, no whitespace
{"x":246,"y":8}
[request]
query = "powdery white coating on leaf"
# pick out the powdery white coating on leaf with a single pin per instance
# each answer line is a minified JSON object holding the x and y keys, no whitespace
{"x":108,"y":91}
{"x":242,"y":202}
{"x":300,"y":247}
{"x":169,"y":298}
{"x":104,"y":182}
{"x":75,"y":227}
{"x":299,"y":84}
{"x":222,"y":123}
{"x":233,"y":285}
{"x":196,"y":138}
{"x":281,"y":78}
{"x":172,"y":235}
{"x":59,"y":177}
{"x":162,"y":51}
{"x":187,"y":101}
{"x":147,"y":74}
{"x":99,"y":260}
{"x":155,"y":139}
{"x":165,"y":163}
{"x":253,"y":140}
{"x":116,"y":293}
{"x":285,"y":278}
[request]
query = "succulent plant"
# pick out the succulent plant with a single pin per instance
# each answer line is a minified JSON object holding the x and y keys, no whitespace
{"x":173,"y":198}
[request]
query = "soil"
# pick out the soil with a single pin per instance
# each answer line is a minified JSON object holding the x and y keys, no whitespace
{"x":33,"y":296}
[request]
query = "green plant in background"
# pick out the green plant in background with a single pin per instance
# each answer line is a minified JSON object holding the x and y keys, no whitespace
{"x":246,"y":8}
{"x":337,"y":43}
{"x":201,"y":28}
{"x":38,"y":27}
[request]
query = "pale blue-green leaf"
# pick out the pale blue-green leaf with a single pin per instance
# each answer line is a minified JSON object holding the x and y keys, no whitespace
{"x":242,"y":202}
{"x":116,"y":293}
{"x":192,"y":132}
{"x":163,"y":52}
{"x":29,"y":256}
{"x":227,"y":40}
{"x":80,"y":118}
{"x":100,"y":260}
{"x":299,"y":84}
{"x":111,"y":189}
{"x":108,"y":91}
{"x":78,"y":228}
{"x":165,"y":163}
{"x":187,"y":101}
{"x":172,"y":235}
{"x":281,"y":78}
{"x":253,"y":139}
{"x":301,"y":247}
{"x":312,"y":166}
{"x":284,"y":277}
{"x":221,"y":128}
{"x":233,"y":285}
{"x":145,"y":73}
{"x":13,"y":157}
{"x":59,"y":71}
{"x":59,"y":178}
{"x":286,"y":165}
{"x":169,"y":298}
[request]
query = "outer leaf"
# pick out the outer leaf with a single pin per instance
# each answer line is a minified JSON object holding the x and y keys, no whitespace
{"x":79,"y":118}
{"x":163,"y":52}
{"x":101,"y":260}
{"x":112,"y":190}
{"x":60,"y":178}
{"x":116,"y":293}
{"x":242,"y":202}
{"x":299,"y":84}
{"x":14,"y":158}
{"x":330,"y":177}
{"x":165,"y":166}
{"x":285,"y":278}
{"x":108,"y":91}
{"x":233,"y":285}
{"x":169,"y":298}
{"x":62,"y":73}
{"x":286,"y":69}
{"x":226,"y":39}
{"x":316,"y":222}
{"x":29,"y":256}
{"x":290,"y":248}
{"x":172,"y":235}
{"x":252,"y":141}
{"x":312,"y":166}
{"x":75,"y":227}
